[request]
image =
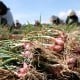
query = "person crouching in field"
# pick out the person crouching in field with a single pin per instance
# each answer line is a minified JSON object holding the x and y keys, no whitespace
{"x":56,"y":20}
{"x":17,"y":24}
{"x":72,"y":18}
{"x":6,"y":17}
{"x":37,"y":23}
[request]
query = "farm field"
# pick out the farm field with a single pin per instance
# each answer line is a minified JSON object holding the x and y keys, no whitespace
{"x":44,"y":52}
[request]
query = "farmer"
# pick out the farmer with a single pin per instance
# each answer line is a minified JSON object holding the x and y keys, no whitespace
{"x":37,"y":23}
{"x":72,"y":18}
{"x":56,"y":20}
{"x":17,"y":24}
{"x":6,"y":17}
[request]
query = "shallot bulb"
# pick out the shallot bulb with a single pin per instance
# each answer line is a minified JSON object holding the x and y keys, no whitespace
{"x":27,"y":54}
{"x":72,"y":62}
{"x":59,"y":41}
{"x":23,"y":71}
{"x":56,"y":48}
{"x":27,"y":45}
